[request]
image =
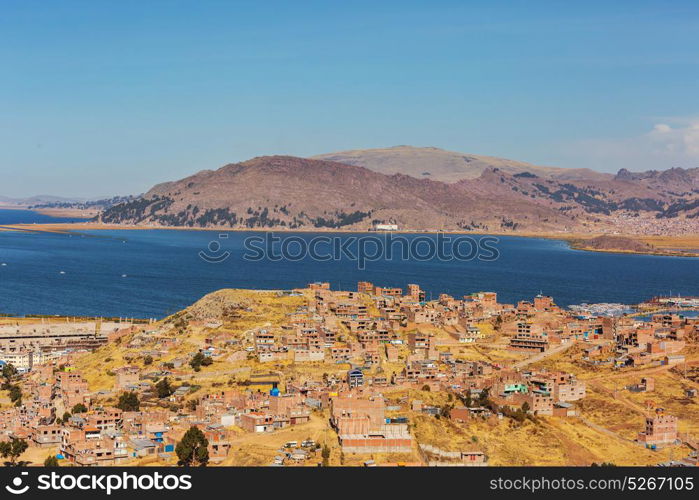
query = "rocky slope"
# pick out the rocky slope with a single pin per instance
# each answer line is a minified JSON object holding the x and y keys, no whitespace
{"x":296,"y":193}
{"x":447,"y":166}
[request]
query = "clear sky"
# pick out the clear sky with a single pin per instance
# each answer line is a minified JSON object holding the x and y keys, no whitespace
{"x":110,"y":97}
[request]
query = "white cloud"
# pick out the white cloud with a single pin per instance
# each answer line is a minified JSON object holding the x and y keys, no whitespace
{"x":672,"y":142}
{"x":662,"y":128}
{"x":682,"y":140}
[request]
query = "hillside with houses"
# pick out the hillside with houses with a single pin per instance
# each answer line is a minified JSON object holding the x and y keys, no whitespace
{"x":373,"y":376}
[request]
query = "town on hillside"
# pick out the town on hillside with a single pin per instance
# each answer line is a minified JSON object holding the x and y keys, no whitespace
{"x":370,"y":377}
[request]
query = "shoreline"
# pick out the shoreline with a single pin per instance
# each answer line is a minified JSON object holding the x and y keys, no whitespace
{"x":639,"y":309}
{"x":76,"y":213}
{"x":67,"y":212}
{"x":663,"y":246}
{"x":657,"y":253}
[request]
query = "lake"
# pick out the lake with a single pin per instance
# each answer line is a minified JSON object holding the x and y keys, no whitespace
{"x":8,"y":217}
{"x":151,"y":273}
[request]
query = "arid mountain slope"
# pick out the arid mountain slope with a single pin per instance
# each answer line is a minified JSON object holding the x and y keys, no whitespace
{"x":446,"y":166}
{"x":297,"y":193}
{"x":282,"y":191}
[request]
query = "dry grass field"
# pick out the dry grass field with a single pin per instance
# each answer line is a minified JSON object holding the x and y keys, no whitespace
{"x":610,"y":415}
{"x":98,"y":367}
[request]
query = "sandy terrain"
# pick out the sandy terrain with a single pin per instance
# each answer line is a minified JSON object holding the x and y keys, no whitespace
{"x":68,"y":212}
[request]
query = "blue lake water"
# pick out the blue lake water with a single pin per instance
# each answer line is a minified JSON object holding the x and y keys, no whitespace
{"x":150,"y":273}
{"x":8,"y":217}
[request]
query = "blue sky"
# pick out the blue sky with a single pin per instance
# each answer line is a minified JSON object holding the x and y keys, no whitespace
{"x":101,"y":98}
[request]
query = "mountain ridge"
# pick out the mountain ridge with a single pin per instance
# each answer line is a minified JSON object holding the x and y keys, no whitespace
{"x":447,"y":166}
{"x":302,"y":193}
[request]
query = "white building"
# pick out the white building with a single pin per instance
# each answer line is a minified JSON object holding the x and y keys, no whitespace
{"x":385,"y":227}
{"x":22,"y":360}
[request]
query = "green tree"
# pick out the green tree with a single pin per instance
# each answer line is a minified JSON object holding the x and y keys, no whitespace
{"x":148,"y":360}
{"x":16,"y":395}
{"x":484,"y":398}
{"x":9,"y":372}
{"x":51,"y":461}
{"x":199,"y":360}
{"x":13,"y":449}
{"x":79,"y":408}
{"x":193,"y":448}
{"x":128,"y":401}
{"x":164,"y":388}
{"x":66,"y":416}
{"x":325,"y":453}
{"x":525,"y":407}
{"x":445,"y":411}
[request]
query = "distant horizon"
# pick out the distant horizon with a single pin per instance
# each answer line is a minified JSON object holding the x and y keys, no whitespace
{"x":93,"y":197}
{"x":112,"y":98}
